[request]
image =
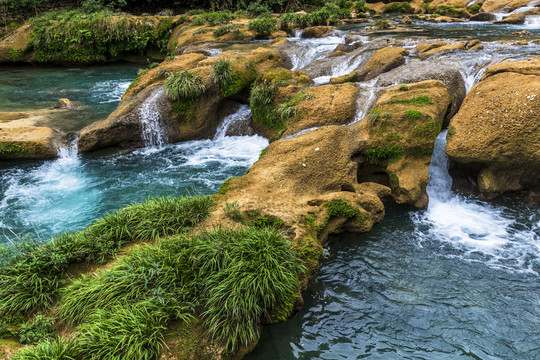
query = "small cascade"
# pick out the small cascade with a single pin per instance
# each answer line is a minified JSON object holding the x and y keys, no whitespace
{"x":532,"y":22}
{"x":365,"y":101}
{"x":473,"y":74}
{"x":151,"y":122}
{"x":476,"y":230}
{"x":242,"y":114}
{"x":308,"y":50}
{"x":71,"y":150}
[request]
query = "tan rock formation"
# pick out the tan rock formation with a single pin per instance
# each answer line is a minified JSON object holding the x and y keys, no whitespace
{"x":442,"y":50}
{"x":497,"y":130}
{"x":513,"y":19}
{"x":316,"y":31}
{"x":12,"y":46}
{"x":21,"y":143}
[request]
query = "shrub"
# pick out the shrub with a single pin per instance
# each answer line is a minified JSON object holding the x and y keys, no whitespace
{"x":474,"y":8}
{"x":214,"y":18}
{"x":37,"y":330}
{"x":222,"y":74}
{"x":263,"y":25}
{"x":184,"y":85}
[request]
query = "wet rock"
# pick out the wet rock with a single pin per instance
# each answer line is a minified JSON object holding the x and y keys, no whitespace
{"x":325,"y":105}
{"x":64,"y":104}
{"x":442,"y":50}
{"x":352,"y":38}
{"x":483,"y":16}
{"x":316,"y":31}
{"x":380,"y":61}
{"x":496,"y":132}
{"x":348,"y":47}
{"x":445,"y":19}
{"x":522,"y":33}
{"x":402,"y":128}
{"x":406,"y":20}
{"x":470,"y":44}
{"x":514,"y":19}
{"x":25,"y":143}
{"x":423,"y":47}
{"x":416,"y":70}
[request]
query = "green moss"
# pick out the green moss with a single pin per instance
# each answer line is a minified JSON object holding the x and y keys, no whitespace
{"x":451,"y":131}
{"x":426,"y":150}
{"x":226,"y":185}
{"x":414,"y":114}
{"x":394,"y":180}
{"x":420,"y":100}
{"x":426,"y":130}
{"x":378,"y":155}
{"x":341,"y":208}
{"x":263,"y":152}
{"x":184,"y":108}
{"x":241,"y":79}
{"x":11,"y":148}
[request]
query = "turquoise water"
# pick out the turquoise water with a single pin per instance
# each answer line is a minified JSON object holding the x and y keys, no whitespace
{"x":399,"y":292}
{"x":95,"y":89}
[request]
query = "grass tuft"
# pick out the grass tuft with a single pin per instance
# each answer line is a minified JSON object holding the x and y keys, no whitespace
{"x":184,"y":85}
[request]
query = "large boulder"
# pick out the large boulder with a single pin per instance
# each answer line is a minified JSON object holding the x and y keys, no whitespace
{"x":316,"y":31}
{"x":402,"y":128}
{"x":25,"y":143}
{"x":12,"y":47}
{"x":185,"y":119}
{"x":324,"y":105}
{"x":382,"y":60}
{"x":496,"y":133}
{"x":514,"y":19}
{"x":447,"y":71}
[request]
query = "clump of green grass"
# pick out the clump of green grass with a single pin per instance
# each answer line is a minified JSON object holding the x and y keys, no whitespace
{"x":223,"y":75}
{"x":420,"y":100}
{"x":135,"y":332}
{"x":225,"y":29}
{"x":233,"y":212}
{"x":263,"y":25}
{"x":382,"y":24}
{"x":37,"y":330}
{"x":31,"y":279}
{"x":336,"y":208}
{"x":374,"y":117}
{"x":57,"y":349}
{"x":232,"y":278}
{"x":414,"y":114}
{"x":380,"y":154}
{"x":403,"y":87}
{"x":184,"y":85}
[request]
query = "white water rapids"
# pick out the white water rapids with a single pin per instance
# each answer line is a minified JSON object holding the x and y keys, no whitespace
{"x":499,"y":237}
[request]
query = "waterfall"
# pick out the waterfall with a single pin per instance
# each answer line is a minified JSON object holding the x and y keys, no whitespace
{"x":364,"y":103}
{"x":477,"y":230}
{"x":151,"y":123}
{"x":243,"y":113}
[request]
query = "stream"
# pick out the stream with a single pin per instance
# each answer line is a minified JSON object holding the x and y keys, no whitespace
{"x":459,"y":280}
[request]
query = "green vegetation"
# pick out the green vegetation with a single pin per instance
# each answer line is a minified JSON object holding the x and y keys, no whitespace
{"x":474,"y":8}
{"x":232,"y":279}
{"x":336,"y":208}
{"x":374,"y":117}
{"x":414,"y":114}
{"x":37,"y":330}
{"x":403,"y":87}
{"x":184,"y":85}
{"x":448,"y":11}
{"x":382,"y":24}
{"x":402,"y":7}
{"x":75,"y":36}
{"x":233,"y":212}
{"x":420,"y":100}
{"x":226,"y":29}
{"x":263,"y":25}
{"x":57,"y":349}
{"x":10,"y":148}
{"x":32,"y":273}
{"x":222,"y":74}
{"x":214,"y":18}
{"x":378,"y":155}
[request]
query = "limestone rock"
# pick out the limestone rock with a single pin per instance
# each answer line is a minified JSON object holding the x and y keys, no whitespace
{"x":472,"y":43}
{"x":525,"y":67}
{"x":64,"y":104}
{"x":380,"y":61}
{"x":13,"y":45}
{"x":417,"y":70}
{"x":23,"y":143}
{"x":442,"y":50}
{"x":423,"y":47}
{"x":483,"y":16}
{"x":406,"y":20}
{"x":497,"y":130}
{"x":514,"y":19}
{"x":316,"y":31}
{"x":325,"y":105}
{"x":402,"y":128}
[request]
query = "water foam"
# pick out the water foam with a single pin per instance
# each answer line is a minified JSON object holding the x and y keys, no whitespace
{"x":475,"y":230}
{"x":151,"y":122}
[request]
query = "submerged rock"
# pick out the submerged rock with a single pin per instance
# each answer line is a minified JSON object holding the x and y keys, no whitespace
{"x":514,"y":19}
{"x":316,"y":31}
{"x":496,"y":133}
